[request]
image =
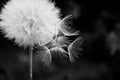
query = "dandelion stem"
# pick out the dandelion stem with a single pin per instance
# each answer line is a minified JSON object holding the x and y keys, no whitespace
{"x":30,"y":60}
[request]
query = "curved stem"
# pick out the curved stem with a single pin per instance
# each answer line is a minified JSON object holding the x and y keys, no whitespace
{"x":30,"y":60}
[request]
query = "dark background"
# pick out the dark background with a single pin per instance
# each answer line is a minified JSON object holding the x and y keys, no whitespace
{"x":99,"y":23}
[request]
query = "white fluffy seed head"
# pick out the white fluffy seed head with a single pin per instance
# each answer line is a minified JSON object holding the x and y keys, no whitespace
{"x":30,"y":22}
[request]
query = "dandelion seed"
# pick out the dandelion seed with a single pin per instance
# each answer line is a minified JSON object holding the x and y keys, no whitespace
{"x":45,"y":55}
{"x":67,"y":30}
{"x":74,"y":48}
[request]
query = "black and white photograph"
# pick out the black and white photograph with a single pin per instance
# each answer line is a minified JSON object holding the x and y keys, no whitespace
{"x":59,"y":40}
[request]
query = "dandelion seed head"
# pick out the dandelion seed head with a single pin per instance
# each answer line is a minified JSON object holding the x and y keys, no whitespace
{"x":30,"y":22}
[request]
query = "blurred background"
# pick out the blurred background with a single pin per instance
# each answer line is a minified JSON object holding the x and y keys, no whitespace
{"x":99,"y":25}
